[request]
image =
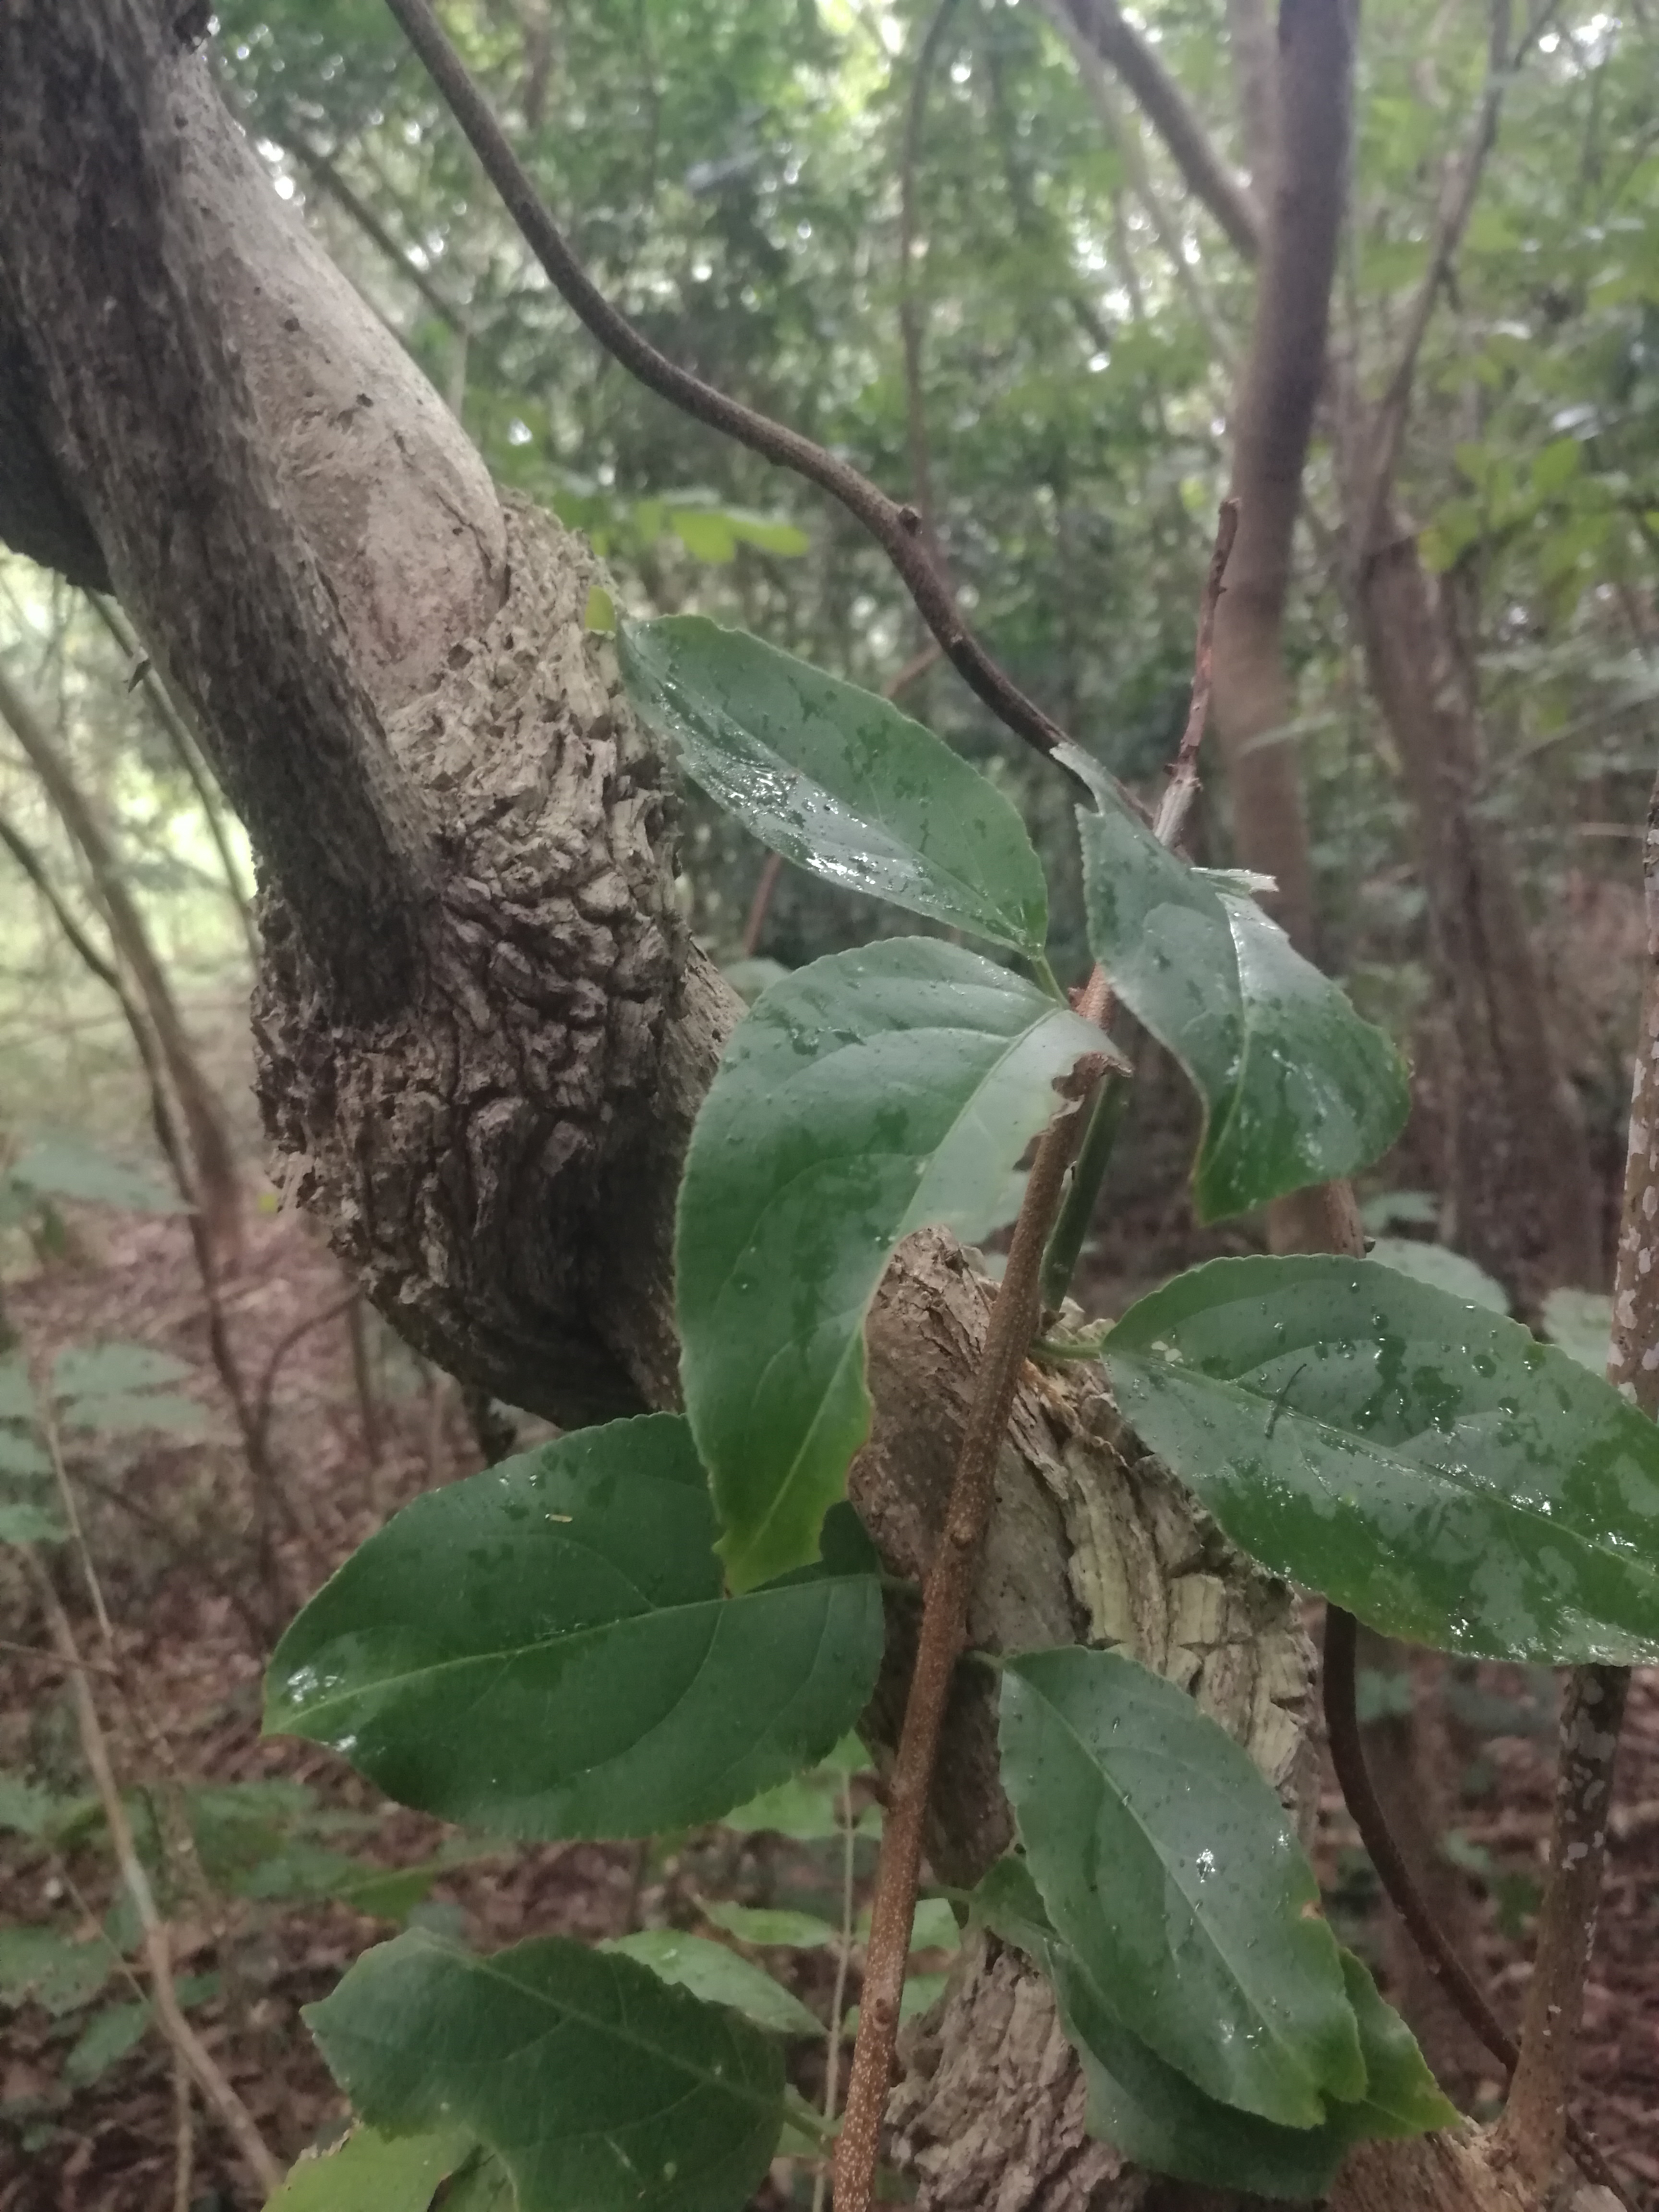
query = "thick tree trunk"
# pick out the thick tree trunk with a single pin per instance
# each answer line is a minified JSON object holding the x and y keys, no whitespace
{"x":483,"y":1035}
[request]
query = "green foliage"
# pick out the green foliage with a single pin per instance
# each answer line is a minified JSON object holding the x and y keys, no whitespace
{"x":720,"y":1976}
{"x":545,"y":1650}
{"x":595,"y":2082}
{"x":61,"y":1166}
{"x":837,"y":779}
{"x":1424,"y":1463}
{"x":1205,"y":1933}
{"x":868,"y":1095}
{"x":369,"y":2172}
{"x":1297,"y":1089}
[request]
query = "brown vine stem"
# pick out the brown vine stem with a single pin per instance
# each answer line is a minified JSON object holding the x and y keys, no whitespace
{"x":896,"y":529}
{"x":1014,"y":1319}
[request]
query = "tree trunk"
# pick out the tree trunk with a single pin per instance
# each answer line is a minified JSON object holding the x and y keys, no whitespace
{"x":482,"y":1034}
{"x":216,"y":1189}
{"x":1271,"y":423}
{"x":1518,"y":1167}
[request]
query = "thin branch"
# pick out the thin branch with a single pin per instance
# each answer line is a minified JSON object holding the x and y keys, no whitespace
{"x":187,"y":2044}
{"x":1161,"y":101}
{"x":1183,"y":785}
{"x":318,"y":166}
{"x":1014,"y":1319}
{"x":838,"y":1999}
{"x":896,"y":529}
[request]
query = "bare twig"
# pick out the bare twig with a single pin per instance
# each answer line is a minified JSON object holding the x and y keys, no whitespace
{"x":264,"y":1397}
{"x":896,"y":529}
{"x":183,"y":2135}
{"x":55,"y":1658}
{"x":1183,"y":785}
{"x":187,"y":2045}
{"x":838,"y":1998}
{"x":1014,"y":1319}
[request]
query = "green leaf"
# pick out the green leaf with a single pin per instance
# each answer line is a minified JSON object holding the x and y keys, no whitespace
{"x":368,"y":2172}
{"x":770,"y":1926}
{"x":1445,"y":1270}
{"x":704,"y":533}
{"x":1168,"y":1866}
{"x":599,"y":2087}
{"x":16,"y":1395}
{"x":27,"y":1524}
{"x":806,"y":1809}
{"x":56,"y":1971}
{"x":1155,"y":2116}
{"x":837,"y":779}
{"x":107,"y":2037}
{"x":1581,"y":1322}
{"x":719,"y":1975}
{"x":544,"y":1649}
{"x":112,"y":1370}
{"x":482,"y":2185}
{"x":162,"y":1412}
{"x":1296,"y":1088}
{"x":20,"y":1456}
{"x":64,"y":1167}
{"x":1007,"y":1901}
{"x":25,"y":1809}
{"x":871,"y":1094}
{"x":769,"y":532}
{"x":1431,"y":1466}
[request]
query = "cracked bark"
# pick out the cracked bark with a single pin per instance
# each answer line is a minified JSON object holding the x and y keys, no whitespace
{"x":482,"y":1033}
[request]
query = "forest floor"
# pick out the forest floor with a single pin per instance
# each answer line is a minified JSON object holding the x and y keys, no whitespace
{"x":277,"y":1915}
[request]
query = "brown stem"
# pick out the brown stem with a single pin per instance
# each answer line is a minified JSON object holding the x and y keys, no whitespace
{"x":187,"y":2044}
{"x":1014,"y":1319}
{"x":896,"y":529}
{"x":1183,"y":785}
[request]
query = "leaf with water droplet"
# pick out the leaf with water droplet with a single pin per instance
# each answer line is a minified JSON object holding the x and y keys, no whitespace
{"x":1151,"y":2112}
{"x":1297,"y":1089}
{"x":598,"y":2085}
{"x":545,"y":1649}
{"x":1454,"y":1481}
{"x":1168,"y":1865}
{"x":837,"y":779}
{"x":872,"y":1094}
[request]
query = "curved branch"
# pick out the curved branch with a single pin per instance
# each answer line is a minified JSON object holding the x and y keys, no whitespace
{"x":1102,"y":27}
{"x":896,"y":529}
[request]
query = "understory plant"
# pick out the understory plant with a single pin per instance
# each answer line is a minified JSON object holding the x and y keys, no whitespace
{"x":641,"y":1625}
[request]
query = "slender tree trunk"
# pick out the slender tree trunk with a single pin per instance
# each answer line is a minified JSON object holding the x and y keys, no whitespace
{"x":217,"y":1189}
{"x":1271,"y":424}
{"x":1517,"y":1167}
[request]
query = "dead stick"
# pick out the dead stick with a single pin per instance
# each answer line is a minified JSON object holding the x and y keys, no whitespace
{"x":1014,"y":1319}
{"x":187,"y":2044}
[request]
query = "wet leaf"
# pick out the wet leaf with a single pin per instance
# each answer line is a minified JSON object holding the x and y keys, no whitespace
{"x":1428,"y":1465}
{"x":1155,"y":2116}
{"x":1445,"y":1270}
{"x":719,"y":1975}
{"x":1166,"y":1863}
{"x":372,"y":2173}
{"x":871,"y":1094}
{"x":544,"y":1649}
{"x":1296,"y":1088}
{"x":600,"y":2087}
{"x":837,"y":779}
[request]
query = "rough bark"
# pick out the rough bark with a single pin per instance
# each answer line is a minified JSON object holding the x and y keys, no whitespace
{"x":483,"y":1035}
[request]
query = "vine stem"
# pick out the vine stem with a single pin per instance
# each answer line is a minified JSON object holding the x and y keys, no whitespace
{"x":1014,"y":1319}
{"x":897,"y":529}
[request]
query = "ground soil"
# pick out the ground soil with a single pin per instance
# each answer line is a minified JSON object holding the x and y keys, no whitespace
{"x":172,"y":1528}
